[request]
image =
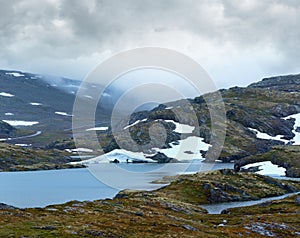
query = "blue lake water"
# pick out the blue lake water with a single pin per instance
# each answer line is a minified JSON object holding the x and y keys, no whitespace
{"x":42,"y":188}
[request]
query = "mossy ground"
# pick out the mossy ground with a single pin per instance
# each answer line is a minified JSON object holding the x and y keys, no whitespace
{"x":172,"y":211}
{"x":16,"y":158}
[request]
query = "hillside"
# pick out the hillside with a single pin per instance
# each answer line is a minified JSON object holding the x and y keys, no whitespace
{"x":258,"y":117}
{"x":40,"y":103}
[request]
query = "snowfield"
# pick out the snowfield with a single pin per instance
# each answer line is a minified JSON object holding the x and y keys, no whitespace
{"x":265,"y":136}
{"x":123,"y":156}
{"x":267,"y":168}
{"x":182,"y":128}
{"x":186,"y":149}
{"x":21,"y":123}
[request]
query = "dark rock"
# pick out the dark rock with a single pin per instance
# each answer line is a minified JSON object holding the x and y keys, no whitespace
{"x":161,"y":158}
{"x":6,"y":129}
{"x":115,"y":161}
{"x":297,"y":200}
{"x":47,"y":228}
{"x":140,"y":214}
{"x":206,"y":186}
{"x":5,"y":206}
{"x":190,"y":228}
{"x":281,"y":83}
{"x":94,"y":233}
{"x":121,"y":195}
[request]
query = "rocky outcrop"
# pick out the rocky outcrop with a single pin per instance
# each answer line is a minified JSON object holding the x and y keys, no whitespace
{"x":289,"y":83}
{"x":284,"y":156}
{"x":161,"y":158}
{"x":6,"y":129}
{"x":15,"y":158}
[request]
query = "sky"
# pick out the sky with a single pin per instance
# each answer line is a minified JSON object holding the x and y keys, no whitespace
{"x":236,"y":42}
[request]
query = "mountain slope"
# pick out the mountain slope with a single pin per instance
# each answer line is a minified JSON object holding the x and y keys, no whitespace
{"x":45,"y":102}
{"x":260,"y":109}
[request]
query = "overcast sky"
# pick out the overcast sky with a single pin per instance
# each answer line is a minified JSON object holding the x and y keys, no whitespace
{"x":237,"y":42}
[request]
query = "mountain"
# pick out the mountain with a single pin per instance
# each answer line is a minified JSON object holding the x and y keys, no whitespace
{"x":39,"y":103}
{"x":259,"y":117}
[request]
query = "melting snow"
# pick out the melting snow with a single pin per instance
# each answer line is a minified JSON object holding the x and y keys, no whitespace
{"x":85,"y":150}
{"x":186,"y":149}
{"x":35,"y":103}
{"x":6,"y":94}
{"x":136,"y":122}
{"x":21,"y":123}
{"x":15,"y":74}
{"x":265,"y":136}
{"x":103,"y":128}
{"x":121,"y":155}
{"x":24,"y":145}
{"x":63,"y":114}
{"x":296,"y":139}
{"x":182,"y":128}
{"x":267,"y":168}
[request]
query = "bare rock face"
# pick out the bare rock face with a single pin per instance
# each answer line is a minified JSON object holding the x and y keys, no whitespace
{"x":161,"y":158}
{"x":6,"y":129}
{"x":283,"y":83}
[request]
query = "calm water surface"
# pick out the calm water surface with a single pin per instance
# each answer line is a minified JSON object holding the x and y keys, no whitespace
{"x":41,"y":188}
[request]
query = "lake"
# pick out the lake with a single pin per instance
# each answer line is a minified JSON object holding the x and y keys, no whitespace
{"x":42,"y":188}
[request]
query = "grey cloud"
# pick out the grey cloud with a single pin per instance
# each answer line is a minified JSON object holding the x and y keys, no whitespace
{"x":37,"y":32}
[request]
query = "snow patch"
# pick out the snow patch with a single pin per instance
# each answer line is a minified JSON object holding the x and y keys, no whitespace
{"x":103,"y":128}
{"x":9,"y":114}
{"x":21,"y":123}
{"x":265,"y":136}
{"x":136,"y":122}
{"x":24,"y":145}
{"x":186,"y":149}
{"x":3,"y":94}
{"x":123,"y":156}
{"x":84,"y":150}
{"x":267,"y":168}
{"x":35,"y":104}
{"x":15,"y":74}
{"x":296,"y":138}
{"x":182,"y":128}
{"x":63,"y":114}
